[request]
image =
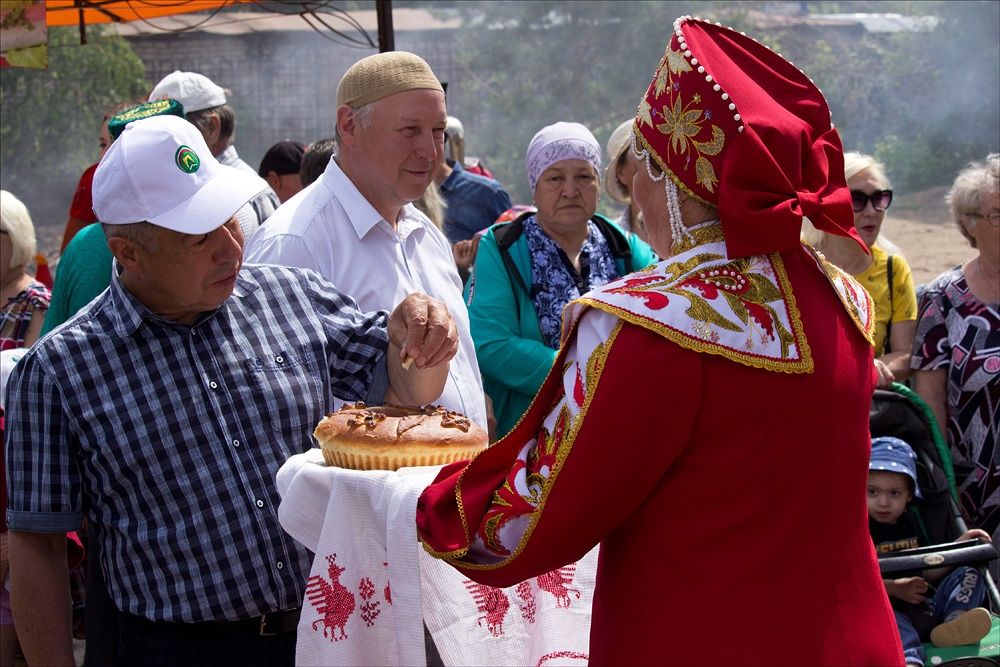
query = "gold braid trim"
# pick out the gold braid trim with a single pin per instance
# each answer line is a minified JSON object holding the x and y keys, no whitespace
{"x":802,"y":365}
{"x":595,"y":368}
{"x":834,"y":273}
{"x":669,"y":172}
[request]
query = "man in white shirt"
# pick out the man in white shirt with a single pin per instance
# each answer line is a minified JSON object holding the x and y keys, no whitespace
{"x":355,"y":224}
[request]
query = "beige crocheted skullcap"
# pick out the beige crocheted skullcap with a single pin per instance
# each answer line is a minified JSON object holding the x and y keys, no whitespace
{"x":385,"y":74}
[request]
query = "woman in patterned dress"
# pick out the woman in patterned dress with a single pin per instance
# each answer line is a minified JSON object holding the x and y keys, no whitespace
{"x":24,"y":299}
{"x":956,"y":353}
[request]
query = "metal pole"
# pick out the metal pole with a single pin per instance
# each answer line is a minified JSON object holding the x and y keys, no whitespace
{"x":83,"y":23}
{"x":386,"y":38}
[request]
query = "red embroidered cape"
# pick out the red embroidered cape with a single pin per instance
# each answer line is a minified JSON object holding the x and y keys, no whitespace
{"x":727,"y":491}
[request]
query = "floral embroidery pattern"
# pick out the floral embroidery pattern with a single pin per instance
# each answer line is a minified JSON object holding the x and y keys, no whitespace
{"x":682,"y":124}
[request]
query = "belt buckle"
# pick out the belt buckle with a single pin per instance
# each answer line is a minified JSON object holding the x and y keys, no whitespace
{"x":278,"y":622}
{"x":264,"y":632}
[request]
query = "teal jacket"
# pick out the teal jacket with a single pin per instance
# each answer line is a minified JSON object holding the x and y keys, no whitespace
{"x":83,"y":272}
{"x":512,"y":357}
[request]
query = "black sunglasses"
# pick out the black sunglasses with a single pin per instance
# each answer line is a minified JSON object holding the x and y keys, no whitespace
{"x":880,"y":200}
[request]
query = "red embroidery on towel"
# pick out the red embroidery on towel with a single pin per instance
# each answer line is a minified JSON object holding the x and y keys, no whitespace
{"x":528,"y":598}
{"x":492,"y":602}
{"x":331,"y":599}
{"x":557,"y":582}
{"x":370,"y":609}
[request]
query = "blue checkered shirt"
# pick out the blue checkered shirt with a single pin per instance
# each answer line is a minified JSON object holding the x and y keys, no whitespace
{"x":168,"y":437}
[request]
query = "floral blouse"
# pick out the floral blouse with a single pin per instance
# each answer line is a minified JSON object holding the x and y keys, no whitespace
{"x":958,"y":332}
{"x":15,"y":318}
{"x":554,"y":280}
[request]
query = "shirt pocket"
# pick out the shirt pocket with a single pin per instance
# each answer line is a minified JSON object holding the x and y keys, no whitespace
{"x":285,"y":386}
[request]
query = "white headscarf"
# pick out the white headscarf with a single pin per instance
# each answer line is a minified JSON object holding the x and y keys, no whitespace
{"x":557,"y":142}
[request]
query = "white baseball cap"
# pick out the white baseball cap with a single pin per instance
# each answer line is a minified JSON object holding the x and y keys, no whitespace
{"x":161,"y":171}
{"x":194,"y":91}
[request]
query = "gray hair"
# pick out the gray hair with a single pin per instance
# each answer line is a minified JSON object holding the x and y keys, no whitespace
{"x":966,"y":194}
{"x":142,"y":234}
{"x":203,"y":120}
{"x":16,"y":221}
{"x":364,"y":116}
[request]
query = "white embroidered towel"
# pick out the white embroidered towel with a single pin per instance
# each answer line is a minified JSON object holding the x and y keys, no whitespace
{"x":542,"y":621}
{"x":372,"y":586}
{"x":362,"y":604}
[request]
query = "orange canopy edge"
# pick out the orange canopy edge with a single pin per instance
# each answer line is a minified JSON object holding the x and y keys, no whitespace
{"x":67,"y":12}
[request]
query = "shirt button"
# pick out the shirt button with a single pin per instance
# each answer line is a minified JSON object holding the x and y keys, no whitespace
{"x":236,"y":443}
{"x":279,"y":359}
{"x":279,"y":565}
{"x":213,"y":384}
{"x":260,"y":503}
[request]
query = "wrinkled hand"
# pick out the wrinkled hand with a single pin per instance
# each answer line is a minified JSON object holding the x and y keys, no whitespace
{"x":464,"y":252}
{"x":911,"y":589}
{"x":424,"y":330}
{"x":885,"y":376}
{"x":973,"y":534}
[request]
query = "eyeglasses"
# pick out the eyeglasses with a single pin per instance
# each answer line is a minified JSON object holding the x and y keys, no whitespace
{"x":880,"y":200}
{"x":993,"y":218}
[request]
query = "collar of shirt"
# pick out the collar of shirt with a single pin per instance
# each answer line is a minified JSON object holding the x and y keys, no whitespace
{"x":361,"y":214}
{"x":129,"y":313}
{"x":453,"y":178}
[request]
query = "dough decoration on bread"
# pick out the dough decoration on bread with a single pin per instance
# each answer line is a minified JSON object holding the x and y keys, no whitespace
{"x":388,"y":437}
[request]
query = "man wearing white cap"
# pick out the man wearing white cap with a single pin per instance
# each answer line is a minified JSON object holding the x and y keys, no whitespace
{"x":162,"y":410}
{"x":206,"y":106}
{"x":356,"y":225}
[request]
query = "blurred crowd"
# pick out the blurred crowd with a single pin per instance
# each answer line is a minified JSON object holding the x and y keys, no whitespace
{"x":392,"y":205}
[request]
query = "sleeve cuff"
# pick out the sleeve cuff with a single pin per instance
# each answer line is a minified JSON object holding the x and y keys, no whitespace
{"x":43,"y":522}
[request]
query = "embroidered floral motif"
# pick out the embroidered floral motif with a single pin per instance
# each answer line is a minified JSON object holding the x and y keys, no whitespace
{"x":751,"y":298}
{"x":856,"y":300}
{"x":671,"y":63}
{"x":682,"y":124}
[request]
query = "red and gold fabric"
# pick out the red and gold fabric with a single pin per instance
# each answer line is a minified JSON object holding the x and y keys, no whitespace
{"x":723,"y":476}
{"x":724,"y":108}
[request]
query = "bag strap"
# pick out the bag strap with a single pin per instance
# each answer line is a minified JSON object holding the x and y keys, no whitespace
{"x":887,"y":347}
{"x":506,"y":235}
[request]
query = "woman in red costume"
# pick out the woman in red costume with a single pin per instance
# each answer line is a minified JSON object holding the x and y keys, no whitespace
{"x":706,"y":420}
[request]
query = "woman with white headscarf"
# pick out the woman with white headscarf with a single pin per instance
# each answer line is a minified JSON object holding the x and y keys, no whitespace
{"x":527,"y":270}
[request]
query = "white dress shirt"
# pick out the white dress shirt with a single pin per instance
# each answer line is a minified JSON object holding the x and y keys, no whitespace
{"x":331,"y":228}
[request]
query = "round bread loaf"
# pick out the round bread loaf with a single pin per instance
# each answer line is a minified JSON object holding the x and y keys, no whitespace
{"x":389,"y":437}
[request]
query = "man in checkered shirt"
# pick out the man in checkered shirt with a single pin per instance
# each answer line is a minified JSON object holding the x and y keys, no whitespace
{"x":162,"y":411}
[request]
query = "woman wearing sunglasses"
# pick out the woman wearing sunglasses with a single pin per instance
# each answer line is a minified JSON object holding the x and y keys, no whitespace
{"x":883,"y":272}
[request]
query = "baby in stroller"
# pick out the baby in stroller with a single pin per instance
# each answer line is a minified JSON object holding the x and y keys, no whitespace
{"x":941,"y":604}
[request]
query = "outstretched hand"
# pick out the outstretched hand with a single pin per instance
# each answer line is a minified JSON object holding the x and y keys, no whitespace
{"x":424,"y":331}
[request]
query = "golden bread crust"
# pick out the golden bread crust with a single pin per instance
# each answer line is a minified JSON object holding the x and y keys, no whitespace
{"x":389,"y":437}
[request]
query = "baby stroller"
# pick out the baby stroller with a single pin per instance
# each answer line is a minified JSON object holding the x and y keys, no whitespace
{"x":901,"y":413}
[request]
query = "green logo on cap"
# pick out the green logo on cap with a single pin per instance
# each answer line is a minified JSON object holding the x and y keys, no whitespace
{"x":187,"y":160}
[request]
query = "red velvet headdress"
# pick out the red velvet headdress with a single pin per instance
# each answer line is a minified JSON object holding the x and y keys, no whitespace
{"x":741,"y":128}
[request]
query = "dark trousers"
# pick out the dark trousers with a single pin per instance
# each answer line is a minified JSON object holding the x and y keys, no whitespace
{"x":145,"y":643}
{"x":101,"y":612}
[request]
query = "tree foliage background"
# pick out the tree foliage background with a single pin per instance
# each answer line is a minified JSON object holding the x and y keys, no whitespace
{"x":924,"y":102}
{"x":51,"y":118}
